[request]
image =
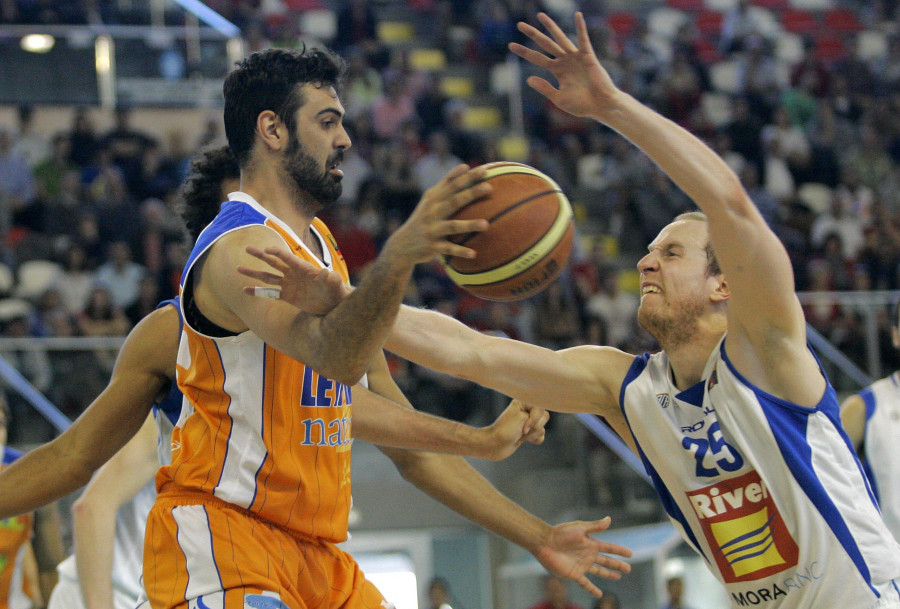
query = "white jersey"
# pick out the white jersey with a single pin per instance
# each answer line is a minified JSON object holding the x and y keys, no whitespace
{"x":881,"y":459}
{"x":769,"y":493}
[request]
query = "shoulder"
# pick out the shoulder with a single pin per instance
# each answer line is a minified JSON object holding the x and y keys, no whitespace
{"x":152,"y":345}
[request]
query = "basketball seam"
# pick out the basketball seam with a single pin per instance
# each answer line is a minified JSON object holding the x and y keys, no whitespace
{"x":472,"y":235}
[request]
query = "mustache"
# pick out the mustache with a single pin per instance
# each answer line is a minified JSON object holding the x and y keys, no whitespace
{"x":337,"y":157}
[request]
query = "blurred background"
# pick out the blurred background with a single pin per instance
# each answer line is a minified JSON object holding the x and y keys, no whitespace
{"x":103,"y":101}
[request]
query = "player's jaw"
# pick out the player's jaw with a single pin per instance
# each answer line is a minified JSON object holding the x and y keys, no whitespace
{"x":318,"y":179}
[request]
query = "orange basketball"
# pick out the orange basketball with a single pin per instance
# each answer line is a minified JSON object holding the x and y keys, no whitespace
{"x":529,"y":239}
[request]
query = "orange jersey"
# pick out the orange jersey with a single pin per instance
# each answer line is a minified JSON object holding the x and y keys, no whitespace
{"x":259,"y":429}
{"x":14,"y":535}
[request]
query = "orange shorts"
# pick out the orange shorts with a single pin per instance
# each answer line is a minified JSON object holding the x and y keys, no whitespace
{"x":203,"y":553}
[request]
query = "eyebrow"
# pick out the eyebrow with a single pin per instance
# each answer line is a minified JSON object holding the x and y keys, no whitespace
{"x":665,"y":246}
{"x":330,"y":111}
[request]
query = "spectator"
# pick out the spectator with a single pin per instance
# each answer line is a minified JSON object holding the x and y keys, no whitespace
{"x":557,"y":323}
{"x":431,"y":167}
{"x":120,"y":275}
{"x":758,"y":77}
{"x":17,"y":188}
{"x":675,"y":591}
{"x":836,"y":220}
{"x":30,"y":145}
{"x":77,"y":281}
{"x":556,"y":595}
{"x":127,"y":146}
{"x":83,"y":138}
{"x":393,"y":109}
{"x":614,"y":312}
{"x":869,"y":159}
{"x":741,"y":27}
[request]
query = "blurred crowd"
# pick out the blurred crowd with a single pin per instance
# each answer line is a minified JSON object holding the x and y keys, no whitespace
{"x":91,"y":241}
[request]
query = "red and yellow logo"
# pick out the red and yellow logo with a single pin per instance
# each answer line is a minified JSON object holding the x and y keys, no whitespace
{"x":744,"y":528}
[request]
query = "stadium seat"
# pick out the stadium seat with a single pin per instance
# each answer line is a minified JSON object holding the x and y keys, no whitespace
{"x":428,"y":60}
{"x":842,"y":20}
{"x":815,"y":196}
{"x":724,"y":76}
{"x":321,"y":24}
{"x":871,"y":44}
{"x":457,"y":86}
{"x":686,"y":5}
{"x":789,"y":48}
{"x":395,"y":32}
{"x":707,"y":51}
{"x":299,"y":6}
{"x":774,"y":5}
{"x":721,"y":5}
{"x":35,"y":276}
{"x":799,"y":21}
{"x":830,"y":47}
{"x":709,"y":22}
{"x":621,"y":23}
{"x":482,"y":118}
{"x":665,"y":21}
{"x":717,"y":106}
{"x":812,"y":5}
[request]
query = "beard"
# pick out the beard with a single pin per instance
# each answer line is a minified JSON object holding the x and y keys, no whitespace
{"x":309,"y":178}
{"x":672,"y":328}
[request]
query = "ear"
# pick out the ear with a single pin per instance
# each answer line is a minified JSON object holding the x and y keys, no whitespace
{"x":271,"y":130}
{"x":721,"y":292}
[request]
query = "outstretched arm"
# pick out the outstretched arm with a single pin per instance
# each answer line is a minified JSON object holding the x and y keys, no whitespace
{"x":94,"y":513}
{"x":144,"y":367}
{"x":764,"y":316}
{"x":568,"y":550}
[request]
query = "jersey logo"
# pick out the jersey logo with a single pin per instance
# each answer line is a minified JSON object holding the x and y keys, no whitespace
{"x":662,"y":399}
{"x":744,"y":528}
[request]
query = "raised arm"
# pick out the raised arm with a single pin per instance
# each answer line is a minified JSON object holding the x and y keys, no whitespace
{"x":94,"y":513}
{"x":341,"y":343}
{"x":853,"y":419}
{"x":764,"y":314}
{"x":568,"y":550}
{"x":144,"y":368}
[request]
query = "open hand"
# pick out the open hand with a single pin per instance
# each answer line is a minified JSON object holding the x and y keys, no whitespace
{"x":585,"y":87}
{"x":571,"y":552}
{"x":299,"y":283}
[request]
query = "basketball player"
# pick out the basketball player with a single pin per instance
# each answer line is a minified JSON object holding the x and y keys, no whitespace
{"x":144,"y":370}
{"x":734,"y":420}
{"x":871,"y":419}
{"x":18,"y":566}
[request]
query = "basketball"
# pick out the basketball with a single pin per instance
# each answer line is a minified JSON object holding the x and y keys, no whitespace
{"x":528,"y":241}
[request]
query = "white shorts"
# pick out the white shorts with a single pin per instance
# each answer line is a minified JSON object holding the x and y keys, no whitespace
{"x":67,"y":595}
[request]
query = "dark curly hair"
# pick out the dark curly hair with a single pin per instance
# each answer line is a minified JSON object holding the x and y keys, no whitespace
{"x":268,"y":80}
{"x":201,"y":193}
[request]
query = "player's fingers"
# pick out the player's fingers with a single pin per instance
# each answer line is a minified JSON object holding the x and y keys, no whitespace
{"x":263,"y":292}
{"x":596,"y":526}
{"x":613,"y":548}
{"x":604,"y":573}
{"x":263,"y":276}
{"x":457,"y":227}
{"x":535,"y":436}
{"x":541,"y":39}
{"x":446,"y":248}
{"x":543,"y":87}
{"x":457,"y":201}
{"x":559,"y":36}
{"x":270,"y":256}
{"x":609,"y":563}
{"x":458,"y":178}
{"x":530,"y":55}
{"x":584,"y":41}
{"x":589,"y":586}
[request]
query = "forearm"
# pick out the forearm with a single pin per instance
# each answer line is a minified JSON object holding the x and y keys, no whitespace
{"x":24,"y":485}
{"x":456,"y":484}
{"x":436,"y":341}
{"x":94,"y":533}
{"x":380,"y":421}
{"x":363,"y":320}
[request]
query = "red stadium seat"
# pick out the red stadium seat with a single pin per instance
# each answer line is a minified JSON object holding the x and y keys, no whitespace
{"x":303,"y":5}
{"x":709,"y":22}
{"x":707,"y":51}
{"x":830,"y":47}
{"x":686,"y":5}
{"x":772,"y":5}
{"x":842,"y":20}
{"x":798,"y":21}
{"x":621,"y":23}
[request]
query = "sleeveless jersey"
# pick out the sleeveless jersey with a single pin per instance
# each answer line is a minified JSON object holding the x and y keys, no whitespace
{"x":769,"y":493}
{"x":15,"y":533}
{"x":259,"y":429}
{"x":131,"y":517}
{"x":882,"y":461}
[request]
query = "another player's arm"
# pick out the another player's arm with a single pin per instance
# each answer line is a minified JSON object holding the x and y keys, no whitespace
{"x":568,"y":550}
{"x":144,"y":368}
{"x":580,"y":379}
{"x":765,"y":320}
{"x":94,"y":513}
{"x":853,"y":418}
{"x":31,"y":577}
{"x":386,"y":418}
{"x":47,"y":544}
{"x":341,"y":343}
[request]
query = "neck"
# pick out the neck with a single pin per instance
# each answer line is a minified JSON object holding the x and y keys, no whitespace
{"x":689,"y":359}
{"x":272,"y":190}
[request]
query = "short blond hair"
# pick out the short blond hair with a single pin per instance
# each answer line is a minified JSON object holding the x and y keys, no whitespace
{"x":712,"y":263}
